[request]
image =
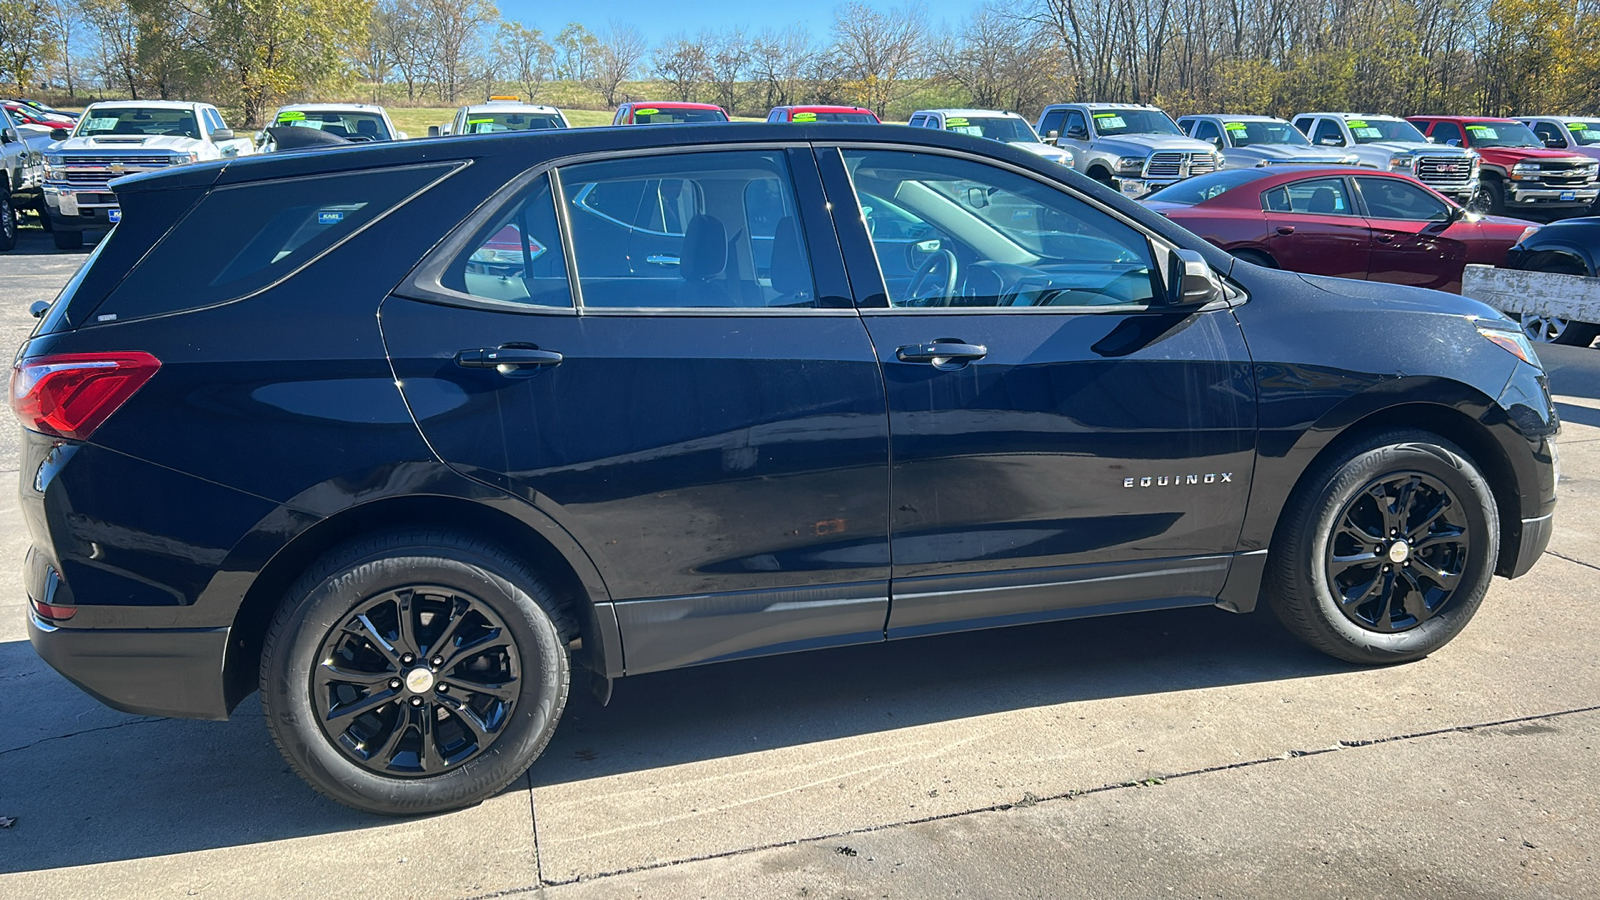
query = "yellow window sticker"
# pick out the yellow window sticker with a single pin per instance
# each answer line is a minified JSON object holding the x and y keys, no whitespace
{"x":1234,"y":126}
{"x":1357,"y":123}
{"x":646,"y":112}
{"x":955,"y":123}
{"x":292,"y":115}
{"x":804,"y":117}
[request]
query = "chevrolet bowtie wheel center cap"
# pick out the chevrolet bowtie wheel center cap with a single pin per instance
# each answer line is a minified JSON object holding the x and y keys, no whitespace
{"x":1399,"y":552}
{"x":419,"y":680}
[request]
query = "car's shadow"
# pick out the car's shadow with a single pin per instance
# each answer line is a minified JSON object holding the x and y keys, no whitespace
{"x":35,"y":241}
{"x":1573,"y":372}
{"x":94,"y":786}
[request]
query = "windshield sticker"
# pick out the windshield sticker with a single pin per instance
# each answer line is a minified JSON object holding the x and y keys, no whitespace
{"x":98,"y":124}
{"x":1235,"y":126}
{"x":955,"y":122}
{"x":1110,"y":120}
{"x":804,"y":117}
{"x":973,"y":130}
{"x":1482,"y":131}
{"x":1357,"y":123}
{"x":1367,"y":132}
{"x":1589,"y":135}
{"x":329,"y":217}
{"x":646,"y":112}
{"x":292,"y":115}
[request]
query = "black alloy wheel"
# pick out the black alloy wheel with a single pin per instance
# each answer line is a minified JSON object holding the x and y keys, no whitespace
{"x":1385,"y":549}
{"x":8,"y":223}
{"x":416,"y":681}
{"x":1398,"y":552}
{"x":415,"y":672}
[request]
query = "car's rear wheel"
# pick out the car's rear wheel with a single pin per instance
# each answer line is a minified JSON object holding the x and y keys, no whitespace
{"x":67,"y":240}
{"x":1386,"y":550}
{"x":1257,"y":258}
{"x":414,"y":673}
{"x":8,"y":223}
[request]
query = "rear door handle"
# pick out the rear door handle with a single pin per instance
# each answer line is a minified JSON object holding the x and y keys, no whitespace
{"x":1286,"y":229}
{"x":938,"y":352}
{"x":1383,"y":238}
{"x":512,"y":357}
{"x":660,"y":259}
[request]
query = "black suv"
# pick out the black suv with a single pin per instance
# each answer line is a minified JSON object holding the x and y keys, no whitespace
{"x":408,"y":434}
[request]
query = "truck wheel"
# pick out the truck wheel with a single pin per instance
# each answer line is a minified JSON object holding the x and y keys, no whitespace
{"x":1386,"y":550}
{"x":8,"y":223}
{"x":415,"y":672}
{"x":67,"y":240}
{"x":1493,"y":195}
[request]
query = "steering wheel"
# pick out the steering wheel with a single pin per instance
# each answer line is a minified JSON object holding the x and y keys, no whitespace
{"x":925,"y":289}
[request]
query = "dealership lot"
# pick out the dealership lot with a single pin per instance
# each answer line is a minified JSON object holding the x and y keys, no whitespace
{"x":1192,"y":750}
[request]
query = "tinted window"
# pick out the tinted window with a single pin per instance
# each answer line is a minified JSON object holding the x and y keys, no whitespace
{"x":1052,"y":121}
{"x":857,"y":118}
{"x":1203,"y":187}
{"x":138,"y":120}
{"x":1075,"y":123}
{"x":481,"y":122}
{"x":1584,"y":133}
{"x":1133,"y":121}
{"x":653,"y":116}
{"x":995,"y":128}
{"x":1328,"y":133}
{"x":1319,"y":196}
{"x":1207,"y":131}
{"x":686,"y":231}
{"x":1391,"y":198}
{"x":1255,"y":131}
{"x":1011,"y":240}
{"x":1445,"y":132}
{"x":1369,"y":131}
{"x":243,"y":238}
{"x":356,"y":126}
{"x":1548,"y":132}
{"x":1501,"y":134}
{"x":517,"y":257}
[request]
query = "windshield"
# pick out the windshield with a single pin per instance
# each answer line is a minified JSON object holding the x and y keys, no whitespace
{"x":995,"y":128}
{"x":1372,"y":131}
{"x":497,"y":122}
{"x":1245,"y":134}
{"x":138,"y":120}
{"x":1584,"y":134}
{"x":1201,"y":188}
{"x":854,"y":117}
{"x":1134,"y":121}
{"x":1502,"y":134}
{"x":652,"y":116}
{"x":355,"y":126}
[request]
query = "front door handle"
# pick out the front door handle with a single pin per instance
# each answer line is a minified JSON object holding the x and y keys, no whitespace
{"x":661,"y":259}
{"x":507,"y":357}
{"x":940,"y":352}
{"x":1383,"y":238}
{"x":1286,"y":229}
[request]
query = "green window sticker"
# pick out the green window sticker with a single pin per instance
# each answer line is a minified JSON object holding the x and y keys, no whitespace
{"x":1357,"y":123}
{"x":955,"y":122}
{"x":480,"y":121}
{"x":1576,"y":126}
{"x":292,"y":115}
{"x":1234,"y":126}
{"x":646,"y":112}
{"x":804,"y":117}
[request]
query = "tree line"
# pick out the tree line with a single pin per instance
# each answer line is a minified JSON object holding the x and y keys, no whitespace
{"x":1496,"y":57}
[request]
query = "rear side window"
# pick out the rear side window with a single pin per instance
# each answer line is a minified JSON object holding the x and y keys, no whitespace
{"x":243,"y":238}
{"x":516,"y":258}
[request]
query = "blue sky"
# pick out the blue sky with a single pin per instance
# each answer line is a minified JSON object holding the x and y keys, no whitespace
{"x":657,"y":19}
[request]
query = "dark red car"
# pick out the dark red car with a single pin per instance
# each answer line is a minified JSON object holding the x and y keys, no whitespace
{"x":801,"y":114}
{"x":1518,"y":171}
{"x":1349,"y":223}
{"x":668,"y":112}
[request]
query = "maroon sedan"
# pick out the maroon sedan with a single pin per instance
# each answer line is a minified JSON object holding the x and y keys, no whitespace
{"x":1350,"y":223}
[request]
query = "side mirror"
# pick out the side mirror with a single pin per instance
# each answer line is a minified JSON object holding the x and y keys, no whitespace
{"x":1216,"y":142}
{"x":8,"y":136}
{"x":59,"y":134}
{"x":38,"y":308}
{"x":1430,"y":139}
{"x":433,"y":131}
{"x":1193,"y":282}
{"x":1452,"y":143}
{"x":1555,"y":144}
{"x":1052,"y":136}
{"x":977,"y":197}
{"x":222,"y":134}
{"x":401,"y":136}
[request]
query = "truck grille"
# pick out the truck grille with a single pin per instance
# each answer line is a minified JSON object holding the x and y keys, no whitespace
{"x":1445,"y":172}
{"x":1172,"y":165}
{"x":1565,"y":174}
{"x":96,"y":171}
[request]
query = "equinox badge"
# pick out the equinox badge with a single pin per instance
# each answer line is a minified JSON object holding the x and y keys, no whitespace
{"x":1175,"y":480}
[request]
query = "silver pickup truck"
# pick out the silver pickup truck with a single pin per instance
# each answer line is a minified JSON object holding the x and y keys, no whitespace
{"x":1392,"y":144}
{"x":22,"y":163}
{"x":1134,"y":149}
{"x":1250,"y":141}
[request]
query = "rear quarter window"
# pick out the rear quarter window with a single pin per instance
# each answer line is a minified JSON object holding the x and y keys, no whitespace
{"x":241,"y":239}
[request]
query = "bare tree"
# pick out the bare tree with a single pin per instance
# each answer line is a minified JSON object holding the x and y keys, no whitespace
{"x":727,"y":64}
{"x":530,"y":57}
{"x":576,"y":50}
{"x":778,"y":60}
{"x":878,"y":51}
{"x":620,"y":51}
{"x":680,"y":61}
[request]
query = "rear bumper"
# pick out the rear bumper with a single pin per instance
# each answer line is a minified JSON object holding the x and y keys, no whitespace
{"x":149,"y":672}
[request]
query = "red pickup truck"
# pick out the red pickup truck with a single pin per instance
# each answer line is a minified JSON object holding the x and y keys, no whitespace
{"x":1518,"y":172}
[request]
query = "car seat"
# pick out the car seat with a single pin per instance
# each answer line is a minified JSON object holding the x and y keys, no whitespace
{"x":791,"y":276}
{"x":367,"y":129}
{"x":705,"y":255}
{"x":1324,"y":200}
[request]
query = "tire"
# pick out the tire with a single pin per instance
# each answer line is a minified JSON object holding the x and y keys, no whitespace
{"x":1256,"y":258}
{"x":1102,"y":176}
{"x":8,"y":223}
{"x":376,"y":733}
{"x":1424,"y":595}
{"x":1493,"y":197}
{"x":67,"y":240}
{"x":1551,"y":330}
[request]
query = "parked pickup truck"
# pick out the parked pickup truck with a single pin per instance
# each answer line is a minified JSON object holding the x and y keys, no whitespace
{"x":1134,"y":149}
{"x":1395,"y":145}
{"x":1570,"y":133}
{"x":119,"y":138}
{"x":1518,"y":172}
{"x":1250,"y":141}
{"x":994,"y":124}
{"x":22,"y":163}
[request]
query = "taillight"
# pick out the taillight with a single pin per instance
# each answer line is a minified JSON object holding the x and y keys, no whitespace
{"x":69,"y":395}
{"x":50,"y":611}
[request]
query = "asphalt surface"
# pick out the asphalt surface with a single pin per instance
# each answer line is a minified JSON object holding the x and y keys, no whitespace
{"x":1180,"y":754}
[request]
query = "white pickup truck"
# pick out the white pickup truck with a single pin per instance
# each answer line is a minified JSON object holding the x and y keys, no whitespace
{"x":119,"y":138}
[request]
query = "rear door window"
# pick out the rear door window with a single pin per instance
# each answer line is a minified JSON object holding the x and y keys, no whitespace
{"x":1314,"y":196}
{"x":244,"y":238}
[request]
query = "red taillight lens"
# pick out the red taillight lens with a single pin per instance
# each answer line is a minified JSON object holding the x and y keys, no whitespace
{"x":48,"y":611}
{"x":69,"y":395}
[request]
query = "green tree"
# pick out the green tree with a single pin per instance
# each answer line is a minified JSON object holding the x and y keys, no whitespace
{"x":266,"y":50}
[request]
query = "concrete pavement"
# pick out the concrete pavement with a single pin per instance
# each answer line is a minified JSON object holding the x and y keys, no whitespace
{"x":1190,"y":753}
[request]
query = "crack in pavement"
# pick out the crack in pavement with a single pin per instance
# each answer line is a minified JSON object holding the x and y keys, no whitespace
{"x":1569,"y":559}
{"x":1029,"y":800}
{"x":60,"y":737}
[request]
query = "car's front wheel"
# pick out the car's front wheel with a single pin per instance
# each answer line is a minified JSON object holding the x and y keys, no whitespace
{"x":1553,"y":330}
{"x":414,"y":673}
{"x":1386,"y":550}
{"x":8,"y":223}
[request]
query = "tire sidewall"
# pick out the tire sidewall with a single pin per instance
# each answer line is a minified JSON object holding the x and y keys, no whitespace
{"x":1467,"y":487}
{"x":8,"y":222}
{"x":287,"y":697}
